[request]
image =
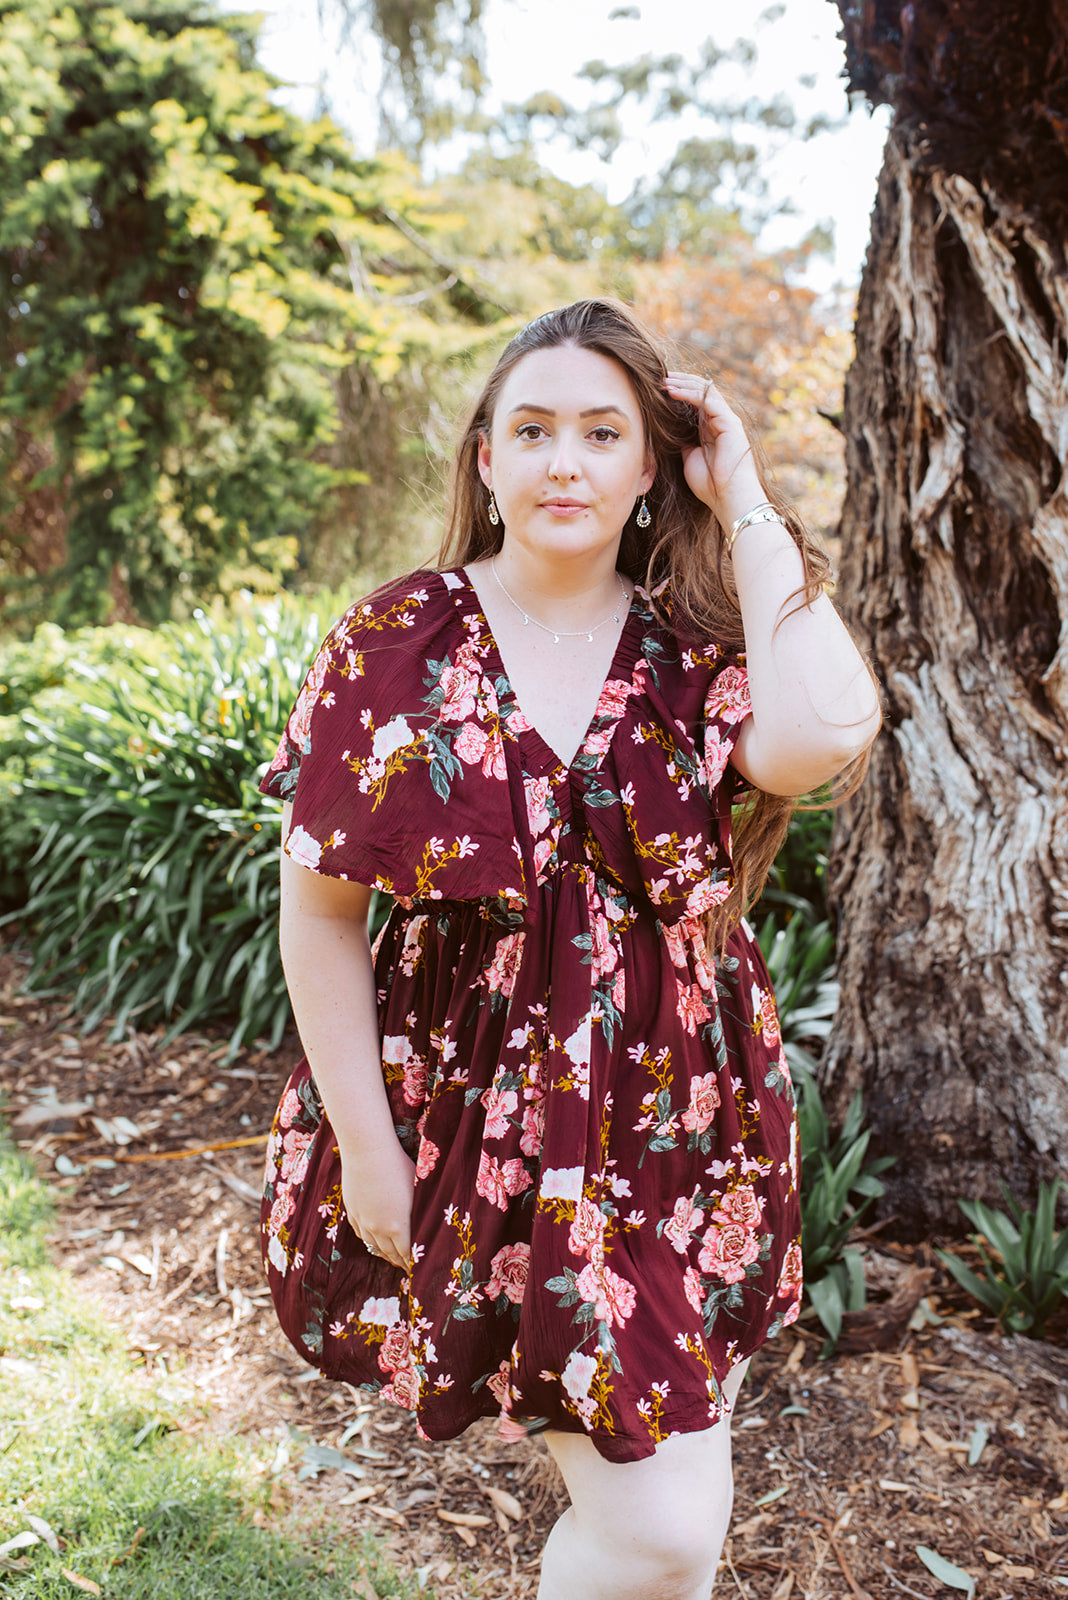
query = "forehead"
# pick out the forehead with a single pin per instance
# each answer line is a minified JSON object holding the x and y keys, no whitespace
{"x":568,"y":379}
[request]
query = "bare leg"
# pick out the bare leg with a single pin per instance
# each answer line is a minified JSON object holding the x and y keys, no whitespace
{"x":642,"y":1530}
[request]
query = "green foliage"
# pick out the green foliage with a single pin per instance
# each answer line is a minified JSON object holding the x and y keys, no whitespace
{"x":1025,"y":1268}
{"x":113,"y":1462}
{"x":153,"y":891}
{"x":838,"y":1185}
{"x":800,"y":961}
{"x":184,"y":266}
{"x":798,"y":878}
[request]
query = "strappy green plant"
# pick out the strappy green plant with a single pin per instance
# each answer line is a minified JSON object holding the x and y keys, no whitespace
{"x":1024,"y":1259}
{"x":153,"y":888}
{"x":838,"y":1185}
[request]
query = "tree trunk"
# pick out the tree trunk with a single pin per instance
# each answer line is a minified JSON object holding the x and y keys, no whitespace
{"x":949,"y":869}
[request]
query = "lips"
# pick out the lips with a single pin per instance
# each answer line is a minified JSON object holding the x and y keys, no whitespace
{"x":564,"y":505}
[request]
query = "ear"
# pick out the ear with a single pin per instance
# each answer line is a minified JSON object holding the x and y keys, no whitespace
{"x":484,"y":469}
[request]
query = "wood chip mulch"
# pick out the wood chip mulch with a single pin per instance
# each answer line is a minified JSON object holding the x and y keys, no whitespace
{"x":939,"y":1433}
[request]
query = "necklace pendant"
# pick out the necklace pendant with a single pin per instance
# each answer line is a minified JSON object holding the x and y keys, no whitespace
{"x":556,"y":638}
{"x":526,"y":619}
{"x":589,"y":638}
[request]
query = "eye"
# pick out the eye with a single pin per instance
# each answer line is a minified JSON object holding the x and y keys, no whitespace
{"x":528,"y":430}
{"x":604,"y":434}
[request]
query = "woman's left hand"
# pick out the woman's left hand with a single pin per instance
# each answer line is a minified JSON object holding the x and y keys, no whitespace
{"x":720,"y":470}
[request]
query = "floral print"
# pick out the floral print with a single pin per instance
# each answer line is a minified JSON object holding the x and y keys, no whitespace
{"x":606,"y":1212}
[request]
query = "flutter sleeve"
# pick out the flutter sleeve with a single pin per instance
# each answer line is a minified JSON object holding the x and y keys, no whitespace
{"x":378,"y":765}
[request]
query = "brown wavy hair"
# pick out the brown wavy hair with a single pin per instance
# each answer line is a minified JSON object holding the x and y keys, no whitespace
{"x":681,"y":557}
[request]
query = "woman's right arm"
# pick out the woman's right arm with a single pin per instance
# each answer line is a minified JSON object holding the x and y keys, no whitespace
{"x":327,"y":959}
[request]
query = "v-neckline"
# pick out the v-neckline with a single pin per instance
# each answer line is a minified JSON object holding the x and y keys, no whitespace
{"x":537,"y":739}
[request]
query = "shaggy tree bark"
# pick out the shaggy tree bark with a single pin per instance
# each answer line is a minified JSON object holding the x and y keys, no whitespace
{"x":949,"y":870}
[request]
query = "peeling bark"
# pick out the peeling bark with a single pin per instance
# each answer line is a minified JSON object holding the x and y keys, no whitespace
{"x":949,"y":870}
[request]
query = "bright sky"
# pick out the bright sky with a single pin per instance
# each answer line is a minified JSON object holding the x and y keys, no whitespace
{"x":536,"y":45}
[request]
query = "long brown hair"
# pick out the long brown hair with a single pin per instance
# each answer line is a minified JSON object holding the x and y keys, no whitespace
{"x":683,"y":550}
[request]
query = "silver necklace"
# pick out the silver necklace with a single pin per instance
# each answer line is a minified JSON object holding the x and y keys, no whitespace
{"x":559,"y":633}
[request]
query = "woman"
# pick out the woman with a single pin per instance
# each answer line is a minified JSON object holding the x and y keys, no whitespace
{"x":546,"y":1165}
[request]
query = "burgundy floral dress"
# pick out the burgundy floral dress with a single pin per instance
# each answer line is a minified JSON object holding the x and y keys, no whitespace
{"x":606,"y":1213}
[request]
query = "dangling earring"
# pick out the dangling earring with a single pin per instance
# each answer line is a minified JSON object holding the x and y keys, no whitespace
{"x":494,"y":514}
{"x":645,"y":517}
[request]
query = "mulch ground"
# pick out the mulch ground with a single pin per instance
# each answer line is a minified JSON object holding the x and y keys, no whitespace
{"x":946,"y":1435}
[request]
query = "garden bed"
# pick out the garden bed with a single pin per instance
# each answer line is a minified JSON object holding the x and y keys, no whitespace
{"x":953,"y":1438}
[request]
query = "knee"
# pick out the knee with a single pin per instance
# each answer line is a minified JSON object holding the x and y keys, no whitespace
{"x":670,"y":1549}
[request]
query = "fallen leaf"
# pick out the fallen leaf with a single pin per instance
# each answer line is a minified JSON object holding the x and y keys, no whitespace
{"x":364,"y":1492}
{"x":504,"y":1501}
{"x":894,"y":1487}
{"x":465,"y":1519}
{"x":79,"y":1582}
{"x":784,"y":1589}
{"x":993,"y":1557}
{"x":910,"y":1372}
{"x":40,"y":1526}
{"x":945,"y":1571}
{"x":751,"y":1525}
{"x":51,"y":1111}
{"x":1017,"y":1572}
{"x":881,"y":1427}
{"x":21,"y":1541}
{"x":142,"y":1263}
{"x":1059,"y":1502}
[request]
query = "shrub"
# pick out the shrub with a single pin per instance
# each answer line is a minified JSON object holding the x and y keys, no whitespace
{"x":1027,"y":1275}
{"x":153,"y":890}
{"x":837,"y":1187}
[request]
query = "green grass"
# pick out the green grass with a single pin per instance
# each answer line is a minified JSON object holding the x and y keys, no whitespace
{"x":95,"y":1448}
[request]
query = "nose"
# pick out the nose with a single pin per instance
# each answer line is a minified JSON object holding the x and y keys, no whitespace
{"x":563,"y":464}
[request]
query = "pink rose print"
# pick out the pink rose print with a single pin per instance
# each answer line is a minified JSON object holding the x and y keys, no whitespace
{"x":470,"y":743}
{"x":428,"y":1158}
{"x":612,"y":1297}
{"x":497,"y":1383}
{"x":741,"y":1206}
{"x":586,"y":1237}
{"x":598,"y":741}
{"x":493,"y":763}
{"x":503,"y":969}
{"x":459,"y":684}
{"x":542,"y":851}
{"x":727,"y":1250}
{"x":508,"y":1273}
{"x":704,"y":1103}
{"x":289,"y":1108}
{"x":768,"y":1017}
{"x":533,"y":1128}
{"x":604,"y":953}
{"x":404,"y":1389}
{"x":414,"y":1081}
{"x":396,"y":1349}
{"x":500,"y":1106}
{"x":717,"y":754}
{"x":791,"y":1274}
{"x":282,"y":1210}
{"x":537,"y":791}
{"x":691,"y":1288}
{"x":728,"y":698}
{"x":296,"y":1153}
{"x":497,"y":1182}
{"x":685,"y":1221}
{"x":619,"y":991}
{"x":614,"y":697}
{"x":691,"y":1007}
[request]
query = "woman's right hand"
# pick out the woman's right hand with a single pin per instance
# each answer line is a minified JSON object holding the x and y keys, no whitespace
{"x":377,"y":1187}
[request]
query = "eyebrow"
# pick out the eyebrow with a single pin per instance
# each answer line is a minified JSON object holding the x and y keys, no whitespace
{"x":592,"y":411}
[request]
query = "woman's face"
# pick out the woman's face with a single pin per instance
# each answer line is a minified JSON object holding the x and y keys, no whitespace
{"x":566,"y":456}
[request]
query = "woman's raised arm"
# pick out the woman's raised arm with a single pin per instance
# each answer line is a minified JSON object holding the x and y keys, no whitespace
{"x":815,"y":707}
{"x":327,"y":959}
